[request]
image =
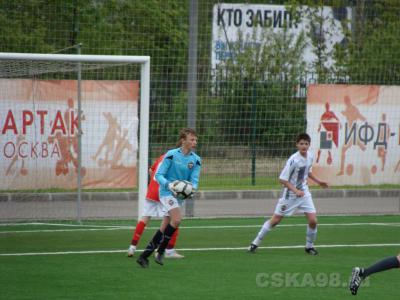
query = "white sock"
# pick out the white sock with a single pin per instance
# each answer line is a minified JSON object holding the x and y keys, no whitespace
{"x":311,"y":236}
{"x":263,"y":231}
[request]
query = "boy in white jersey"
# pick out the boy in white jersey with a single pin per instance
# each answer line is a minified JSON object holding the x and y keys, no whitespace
{"x":296,"y":195}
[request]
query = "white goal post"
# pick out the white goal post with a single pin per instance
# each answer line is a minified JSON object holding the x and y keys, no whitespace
{"x":144,"y":62}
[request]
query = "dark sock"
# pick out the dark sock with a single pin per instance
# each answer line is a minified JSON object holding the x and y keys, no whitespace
{"x":155,"y":241}
{"x":384,"y":264}
{"x":169,"y":231}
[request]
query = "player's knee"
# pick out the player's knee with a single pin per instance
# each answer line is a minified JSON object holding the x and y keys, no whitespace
{"x":312,"y":224}
{"x":176,"y":222}
{"x":275,"y":220}
{"x":146,"y":220}
{"x":398,"y":258}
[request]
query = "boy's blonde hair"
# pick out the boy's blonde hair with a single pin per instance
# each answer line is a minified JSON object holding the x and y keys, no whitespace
{"x":183,"y":134}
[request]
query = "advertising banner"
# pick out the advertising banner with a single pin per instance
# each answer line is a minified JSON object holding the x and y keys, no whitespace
{"x":252,"y":21}
{"x":355,"y":133}
{"x":39,"y":133}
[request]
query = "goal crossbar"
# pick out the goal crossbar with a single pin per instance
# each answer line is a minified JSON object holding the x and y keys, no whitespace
{"x":76,"y":58}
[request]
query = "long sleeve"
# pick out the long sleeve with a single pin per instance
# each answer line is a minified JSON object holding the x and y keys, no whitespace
{"x":162,"y":172}
{"x":195,"y":176}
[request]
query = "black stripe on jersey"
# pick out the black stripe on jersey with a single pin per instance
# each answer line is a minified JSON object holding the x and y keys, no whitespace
{"x":170,"y":157}
{"x":291,"y":174}
{"x":286,"y":191}
{"x":198,"y":163}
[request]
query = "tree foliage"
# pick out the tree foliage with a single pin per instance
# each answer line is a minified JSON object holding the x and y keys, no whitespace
{"x":249,"y":94}
{"x":258,"y":86}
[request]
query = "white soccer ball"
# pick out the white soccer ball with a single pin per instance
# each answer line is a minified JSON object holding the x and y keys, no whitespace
{"x":183,"y":188}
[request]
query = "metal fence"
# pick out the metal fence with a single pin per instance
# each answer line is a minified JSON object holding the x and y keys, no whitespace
{"x":236,"y":72}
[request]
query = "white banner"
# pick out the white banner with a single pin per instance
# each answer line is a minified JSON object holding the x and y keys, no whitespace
{"x":355,"y":133}
{"x":230,"y":19}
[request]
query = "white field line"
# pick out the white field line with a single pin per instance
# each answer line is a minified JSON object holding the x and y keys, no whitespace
{"x":199,"y":249}
{"x":63,"y":230}
{"x":18,"y":224}
{"x":107,"y":228}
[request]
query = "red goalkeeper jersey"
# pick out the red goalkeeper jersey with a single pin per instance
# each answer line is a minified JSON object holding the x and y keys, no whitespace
{"x":153,"y":187}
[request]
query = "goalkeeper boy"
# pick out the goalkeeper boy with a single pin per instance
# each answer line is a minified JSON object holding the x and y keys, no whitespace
{"x":181,"y":163}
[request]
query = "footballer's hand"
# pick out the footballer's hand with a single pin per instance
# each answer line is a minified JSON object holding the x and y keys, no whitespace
{"x":190,"y":196}
{"x":299,"y":193}
{"x":323,"y":184}
{"x":171,"y":187}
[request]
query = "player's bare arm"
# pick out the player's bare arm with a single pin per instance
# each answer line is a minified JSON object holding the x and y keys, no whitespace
{"x":291,"y":187}
{"x":323,"y":184}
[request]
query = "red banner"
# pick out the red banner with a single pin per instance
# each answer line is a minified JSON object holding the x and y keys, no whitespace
{"x":39,"y":133}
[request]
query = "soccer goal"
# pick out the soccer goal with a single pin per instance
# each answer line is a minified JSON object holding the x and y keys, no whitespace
{"x":71,"y":123}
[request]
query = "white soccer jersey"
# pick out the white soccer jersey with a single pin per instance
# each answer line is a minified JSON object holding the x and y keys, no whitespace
{"x":296,"y":172}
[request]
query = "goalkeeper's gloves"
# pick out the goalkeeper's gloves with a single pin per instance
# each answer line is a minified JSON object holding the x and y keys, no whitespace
{"x":190,"y":196}
{"x":171,"y":187}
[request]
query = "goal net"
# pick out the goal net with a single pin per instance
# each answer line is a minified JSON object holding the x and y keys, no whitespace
{"x":70,"y":123}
